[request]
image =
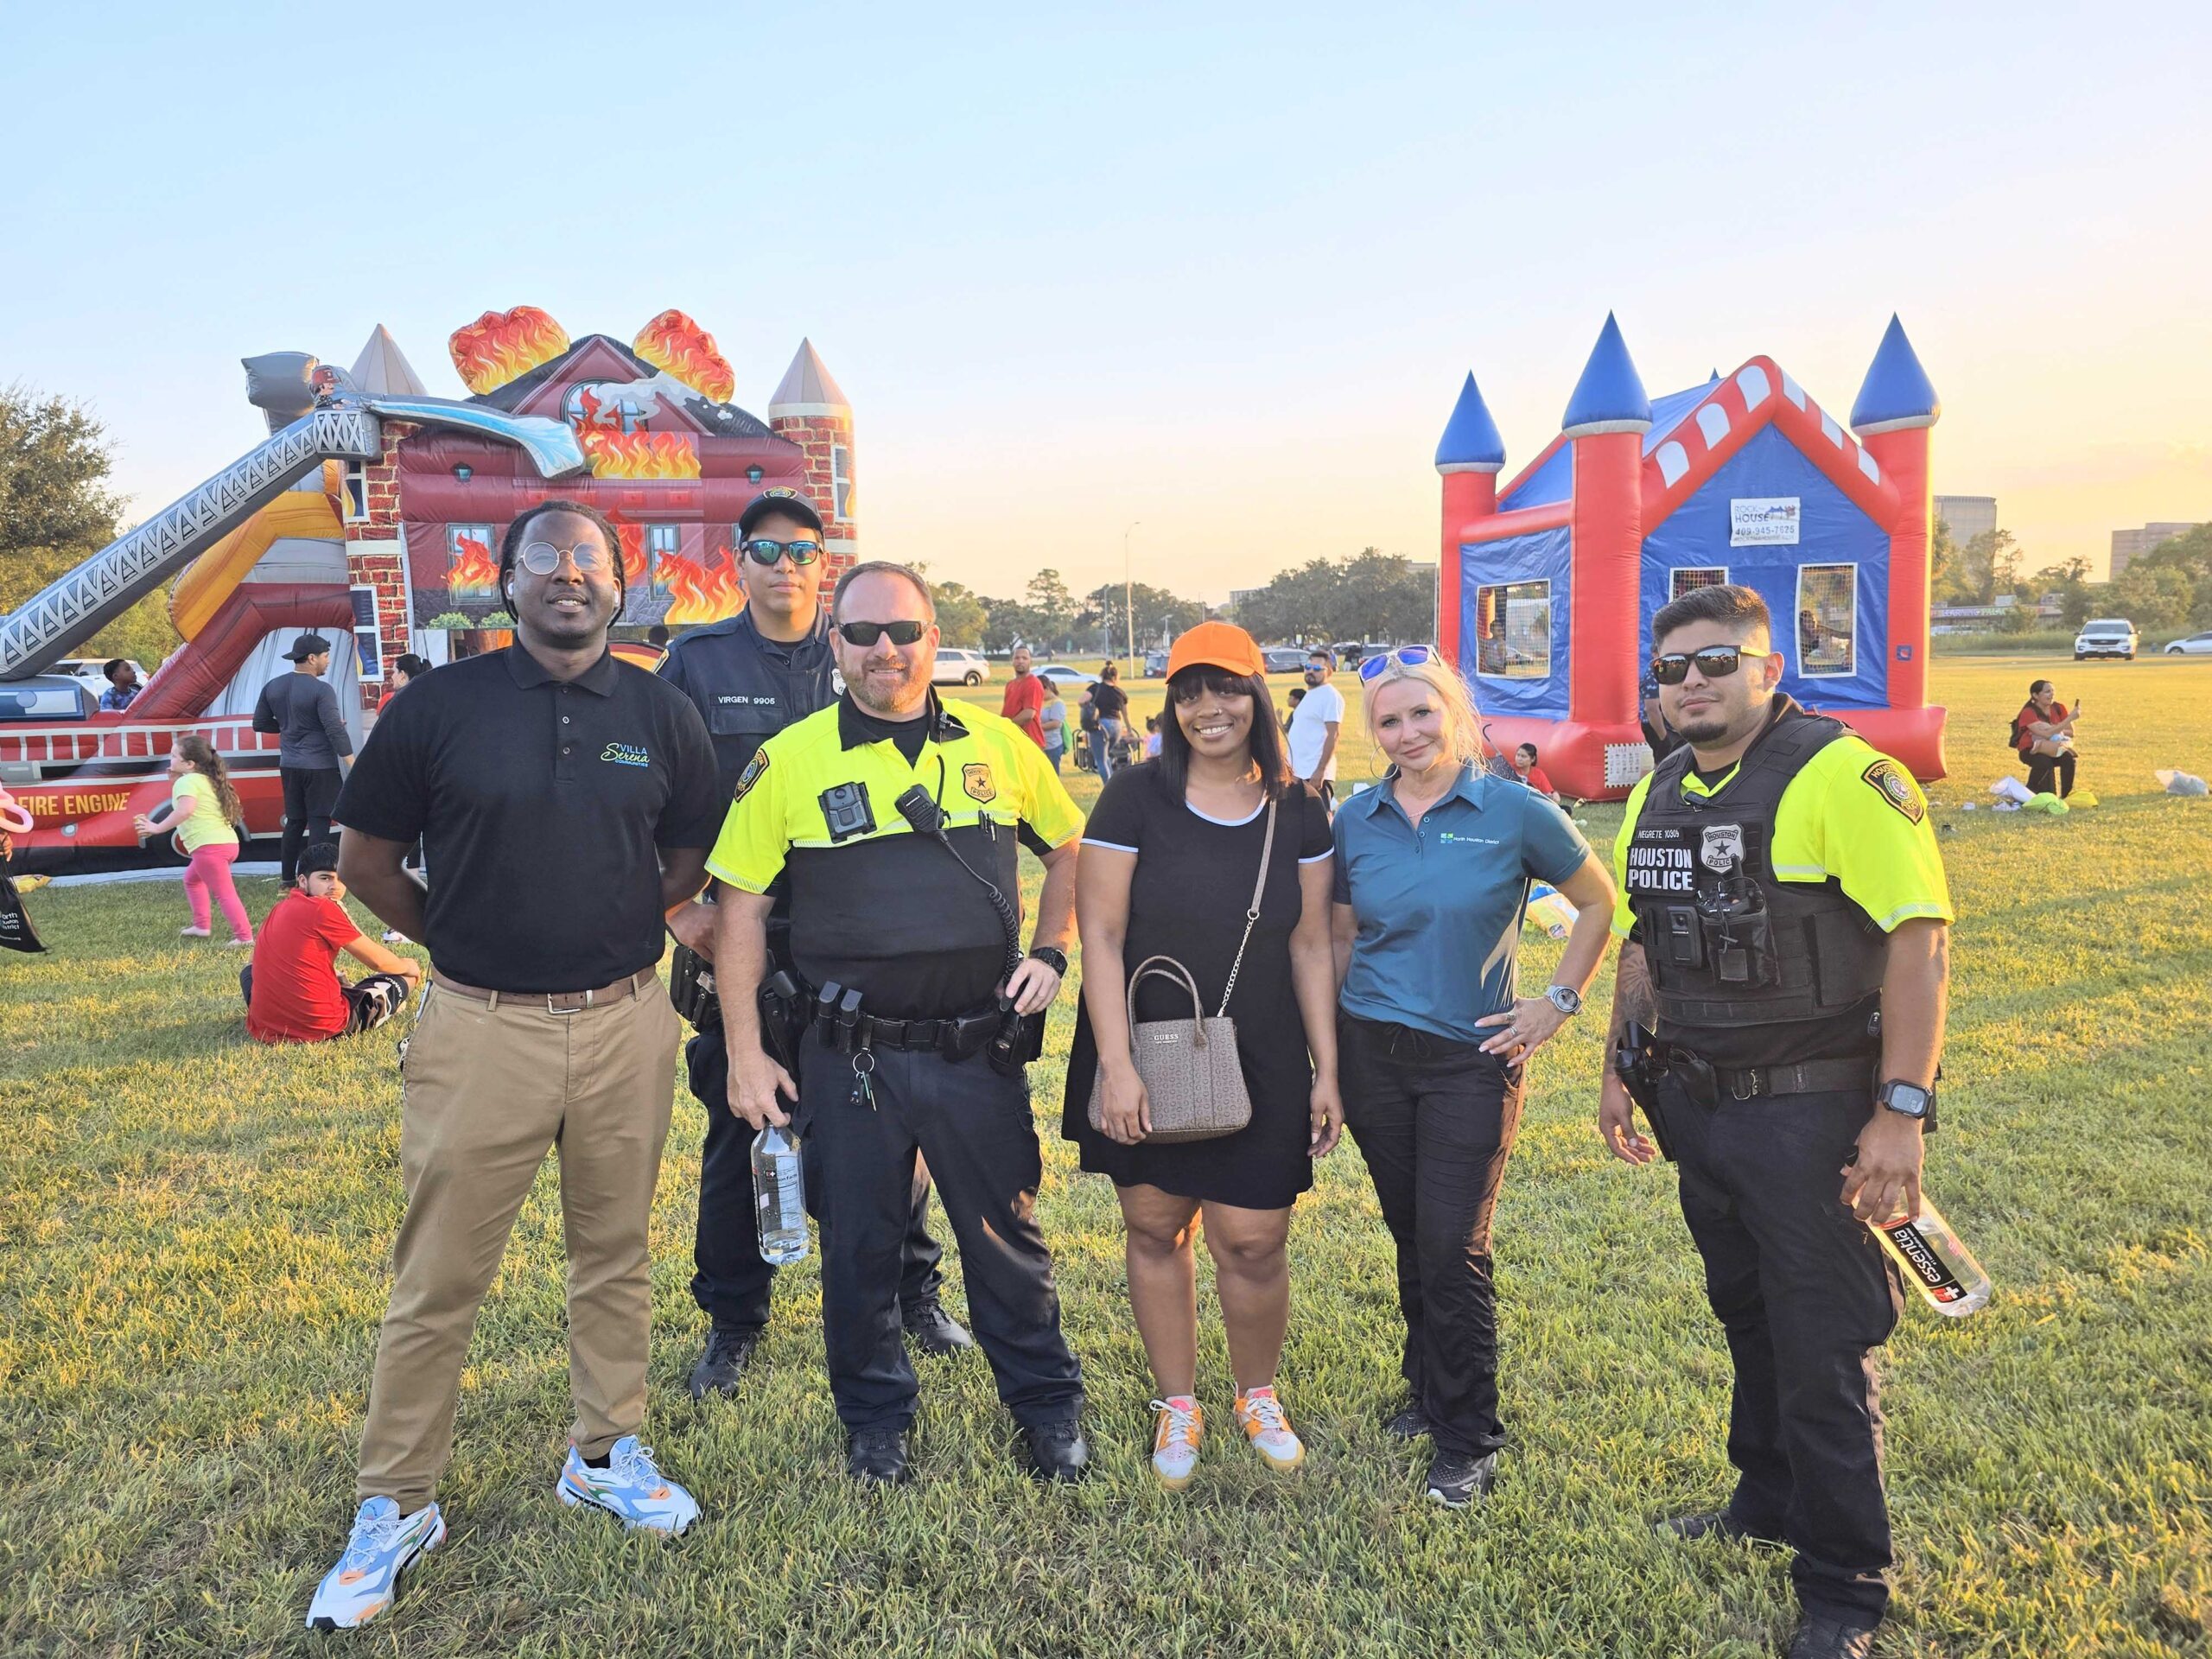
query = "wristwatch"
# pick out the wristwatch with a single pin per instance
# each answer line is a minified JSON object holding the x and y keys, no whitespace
{"x":1564,"y":998}
{"x":1906,"y":1099}
{"x":1052,"y":957}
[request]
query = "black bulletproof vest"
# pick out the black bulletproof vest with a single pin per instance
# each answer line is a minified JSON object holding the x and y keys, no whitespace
{"x":1729,"y":947}
{"x":747,"y":691}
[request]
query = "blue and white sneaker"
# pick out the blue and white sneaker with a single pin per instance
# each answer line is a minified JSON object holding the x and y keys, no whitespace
{"x":385,"y":1544}
{"x":630,"y":1486}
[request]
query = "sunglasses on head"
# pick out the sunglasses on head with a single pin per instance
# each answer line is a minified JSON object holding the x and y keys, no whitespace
{"x":761,"y":550}
{"x":866,"y":633}
{"x":1404,"y":657}
{"x":543,"y":558}
{"x":1714,"y":662}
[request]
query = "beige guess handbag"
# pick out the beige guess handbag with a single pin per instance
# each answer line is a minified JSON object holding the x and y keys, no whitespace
{"x":1189,"y":1067}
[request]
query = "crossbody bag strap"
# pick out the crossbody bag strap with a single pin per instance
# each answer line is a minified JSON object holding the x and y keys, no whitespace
{"x":1252,"y":913}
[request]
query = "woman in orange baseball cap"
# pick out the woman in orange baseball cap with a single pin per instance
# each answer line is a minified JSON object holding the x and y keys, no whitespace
{"x":1170,"y":858}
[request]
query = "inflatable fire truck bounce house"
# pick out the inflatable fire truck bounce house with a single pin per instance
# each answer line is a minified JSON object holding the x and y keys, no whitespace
{"x":1549,"y":585}
{"x":373,"y":515}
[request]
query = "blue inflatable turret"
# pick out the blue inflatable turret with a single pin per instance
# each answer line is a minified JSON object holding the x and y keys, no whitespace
{"x":1470,"y":442}
{"x":1610,"y":396}
{"x":1897,"y":394}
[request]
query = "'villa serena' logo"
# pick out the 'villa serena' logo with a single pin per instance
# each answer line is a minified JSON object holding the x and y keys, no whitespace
{"x":626,"y":754}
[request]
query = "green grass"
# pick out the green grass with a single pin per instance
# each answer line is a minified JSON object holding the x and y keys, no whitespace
{"x":194,"y":1235}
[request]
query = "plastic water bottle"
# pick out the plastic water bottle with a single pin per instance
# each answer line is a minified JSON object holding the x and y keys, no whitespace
{"x":779,"y":1193}
{"x":1934,"y":1262}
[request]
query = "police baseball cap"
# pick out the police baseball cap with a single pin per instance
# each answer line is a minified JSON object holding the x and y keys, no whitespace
{"x":791,"y":504}
{"x":306,"y":646}
{"x":322,"y":856}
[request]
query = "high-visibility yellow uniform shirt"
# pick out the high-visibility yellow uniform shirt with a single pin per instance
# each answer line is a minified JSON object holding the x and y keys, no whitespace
{"x":874,"y":905}
{"x":1850,"y":815}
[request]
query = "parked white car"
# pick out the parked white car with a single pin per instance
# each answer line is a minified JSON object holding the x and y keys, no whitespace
{"x":2111,"y":636}
{"x":1068,"y":682}
{"x":957,"y":667}
{"x":2195,"y":644}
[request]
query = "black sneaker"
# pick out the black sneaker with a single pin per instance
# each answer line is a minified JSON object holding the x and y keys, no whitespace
{"x":1713,"y":1523}
{"x":1822,"y":1636}
{"x":1410,"y":1424}
{"x":729,"y":1348}
{"x":1057,"y":1451}
{"x":877,"y":1457}
{"x":1456,"y":1481}
{"x":934,"y":1332}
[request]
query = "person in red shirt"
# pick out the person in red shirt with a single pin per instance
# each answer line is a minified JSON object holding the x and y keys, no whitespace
{"x":2043,"y":734}
{"x":1026,"y":696}
{"x":293,"y":993}
{"x":1526,"y":769}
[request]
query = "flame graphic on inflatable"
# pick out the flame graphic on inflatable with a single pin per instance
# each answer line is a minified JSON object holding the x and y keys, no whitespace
{"x":699,"y":592}
{"x":673,"y":343}
{"x":472,"y":570}
{"x":499,"y":345}
{"x":639,"y":455}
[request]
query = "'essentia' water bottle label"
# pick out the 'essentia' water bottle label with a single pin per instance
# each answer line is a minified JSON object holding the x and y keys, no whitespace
{"x":1912,"y":1249}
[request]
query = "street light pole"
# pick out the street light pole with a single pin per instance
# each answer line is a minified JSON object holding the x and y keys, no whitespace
{"x":1128,"y":605}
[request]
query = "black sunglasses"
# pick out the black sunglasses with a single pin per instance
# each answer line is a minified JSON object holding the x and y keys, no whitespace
{"x":866,"y":633}
{"x":761,"y":550}
{"x":1714,"y":662}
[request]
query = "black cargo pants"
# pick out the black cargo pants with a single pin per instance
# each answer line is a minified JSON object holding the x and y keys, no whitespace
{"x":1805,"y":1295}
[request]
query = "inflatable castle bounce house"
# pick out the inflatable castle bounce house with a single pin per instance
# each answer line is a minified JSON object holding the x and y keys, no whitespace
{"x":1549,"y":585}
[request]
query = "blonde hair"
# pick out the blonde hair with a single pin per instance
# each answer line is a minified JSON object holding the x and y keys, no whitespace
{"x":1463,"y":727}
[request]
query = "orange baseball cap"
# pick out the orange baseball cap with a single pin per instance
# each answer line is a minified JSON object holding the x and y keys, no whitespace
{"x":1216,"y":645}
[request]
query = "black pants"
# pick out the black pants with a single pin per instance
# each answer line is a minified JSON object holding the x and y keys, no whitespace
{"x":309,"y":794}
{"x":974,"y":1127}
{"x":2050,"y":774}
{"x":1435,"y":1121}
{"x":1805,"y":1296}
{"x":731,"y":1281}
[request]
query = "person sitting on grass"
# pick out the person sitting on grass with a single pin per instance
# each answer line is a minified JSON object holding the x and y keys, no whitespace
{"x":292,"y":991}
{"x":1526,"y":769}
{"x":2043,"y":734}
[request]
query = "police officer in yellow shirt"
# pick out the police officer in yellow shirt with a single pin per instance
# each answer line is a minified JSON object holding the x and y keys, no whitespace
{"x":895,"y":821}
{"x":1787,"y":923}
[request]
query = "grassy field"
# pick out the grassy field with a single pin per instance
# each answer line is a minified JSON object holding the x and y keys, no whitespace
{"x":194,"y":1242}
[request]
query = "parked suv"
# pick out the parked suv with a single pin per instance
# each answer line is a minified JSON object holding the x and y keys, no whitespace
{"x":2106,"y":637}
{"x":956,"y":667}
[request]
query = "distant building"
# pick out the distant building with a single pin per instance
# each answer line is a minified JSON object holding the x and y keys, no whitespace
{"x":2127,"y":545}
{"x":1967,"y":516}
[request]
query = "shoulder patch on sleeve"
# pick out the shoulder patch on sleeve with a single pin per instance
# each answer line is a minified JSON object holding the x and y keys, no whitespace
{"x":1894,"y":784}
{"x":753,"y":770}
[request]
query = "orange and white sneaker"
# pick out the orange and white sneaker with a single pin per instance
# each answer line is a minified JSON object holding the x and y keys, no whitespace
{"x":1175,"y":1440}
{"x":1265,"y":1423}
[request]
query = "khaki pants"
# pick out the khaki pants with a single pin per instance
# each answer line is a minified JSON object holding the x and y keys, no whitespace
{"x":489,"y":1088}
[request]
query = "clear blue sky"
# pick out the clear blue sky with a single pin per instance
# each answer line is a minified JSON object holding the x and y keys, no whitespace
{"x":1218,"y":269}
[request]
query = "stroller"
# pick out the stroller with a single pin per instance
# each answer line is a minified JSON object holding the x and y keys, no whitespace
{"x":1124,"y":752}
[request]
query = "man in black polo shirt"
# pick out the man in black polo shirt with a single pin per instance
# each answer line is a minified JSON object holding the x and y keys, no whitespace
{"x":567,"y":800}
{"x":751,"y":677}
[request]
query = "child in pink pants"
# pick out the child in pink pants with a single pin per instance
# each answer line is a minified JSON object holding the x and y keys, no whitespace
{"x":205,"y":811}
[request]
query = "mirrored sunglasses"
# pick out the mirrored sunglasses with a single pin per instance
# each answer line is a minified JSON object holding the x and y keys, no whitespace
{"x":1404,"y":657}
{"x":1714,"y":662}
{"x":763,"y":551}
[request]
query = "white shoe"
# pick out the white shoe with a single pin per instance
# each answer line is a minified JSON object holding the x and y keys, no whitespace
{"x":1265,"y":1423}
{"x":393,"y":936}
{"x":383,"y":1544}
{"x":630,"y":1486}
{"x":1176,"y":1437}
{"x":192,"y":932}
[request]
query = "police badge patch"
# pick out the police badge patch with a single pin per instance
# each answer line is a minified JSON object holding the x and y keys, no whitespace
{"x":1894,"y":784}
{"x":751,"y":775}
{"x":1723,"y":848}
{"x":976,"y":778}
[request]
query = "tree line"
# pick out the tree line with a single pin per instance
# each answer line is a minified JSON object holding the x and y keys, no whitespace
{"x":2167,"y":587}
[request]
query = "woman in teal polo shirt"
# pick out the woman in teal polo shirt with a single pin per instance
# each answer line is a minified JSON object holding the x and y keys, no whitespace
{"x":1433,"y":872}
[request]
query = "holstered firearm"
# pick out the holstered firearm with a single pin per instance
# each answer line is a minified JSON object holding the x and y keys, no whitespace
{"x":1018,"y":1040}
{"x":783,"y":1015}
{"x":1639,"y":1063}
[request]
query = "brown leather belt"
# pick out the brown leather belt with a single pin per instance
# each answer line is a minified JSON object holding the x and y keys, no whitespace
{"x":553,"y":1002}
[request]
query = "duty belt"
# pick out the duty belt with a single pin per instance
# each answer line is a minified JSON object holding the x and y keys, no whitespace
{"x":1802,"y":1077}
{"x":961,"y":1034}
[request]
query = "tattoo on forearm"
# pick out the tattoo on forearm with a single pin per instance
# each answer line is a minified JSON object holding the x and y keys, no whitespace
{"x":1632,"y":999}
